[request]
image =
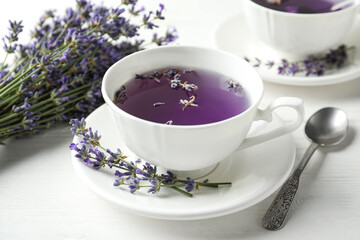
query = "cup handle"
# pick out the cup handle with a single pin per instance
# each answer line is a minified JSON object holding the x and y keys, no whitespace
{"x":266,"y":114}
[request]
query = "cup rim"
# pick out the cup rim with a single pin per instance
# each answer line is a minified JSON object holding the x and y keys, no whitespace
{"x":303,"y":15}
{"x":112,"y":105}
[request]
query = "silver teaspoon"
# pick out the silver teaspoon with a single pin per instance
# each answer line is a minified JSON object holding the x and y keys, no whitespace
{"x":326,"y":127}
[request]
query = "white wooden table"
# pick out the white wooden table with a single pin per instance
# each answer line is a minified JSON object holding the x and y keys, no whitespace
{"x":42,"y":198}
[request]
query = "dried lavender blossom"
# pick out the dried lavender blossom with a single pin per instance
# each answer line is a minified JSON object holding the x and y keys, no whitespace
{"x":311,"y":66}
{"x":171,"y":72}
{"x":127,"y":173}
{"x":57,"y":75}
{"x":176,"y":81}
{"x":170,"y":122}
{"x":189,"y":87}
{"x":274,"y":1}
{"x":158,"y":104}
{"x":120,"y":95}
{"x":189,"y":102}
{"x":236,"y":86}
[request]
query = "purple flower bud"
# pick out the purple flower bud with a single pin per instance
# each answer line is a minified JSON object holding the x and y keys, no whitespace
{"x":190,"y":184}
{"x":134,"y":185}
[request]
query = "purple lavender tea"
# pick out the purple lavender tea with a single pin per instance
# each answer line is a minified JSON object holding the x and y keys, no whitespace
{"x":299,"y":6}
{"x":182,"y":97}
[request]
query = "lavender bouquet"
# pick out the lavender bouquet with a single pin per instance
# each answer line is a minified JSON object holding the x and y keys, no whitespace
{"x":57,"y":76}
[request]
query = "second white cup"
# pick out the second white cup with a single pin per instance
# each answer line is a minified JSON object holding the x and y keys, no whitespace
{"x":298,"y":33}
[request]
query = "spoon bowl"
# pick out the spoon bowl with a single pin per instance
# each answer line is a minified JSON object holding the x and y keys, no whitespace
{"x":327,"y":127}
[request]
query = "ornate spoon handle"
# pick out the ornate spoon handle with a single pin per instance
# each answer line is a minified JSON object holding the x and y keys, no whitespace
{"x":276,"y":214}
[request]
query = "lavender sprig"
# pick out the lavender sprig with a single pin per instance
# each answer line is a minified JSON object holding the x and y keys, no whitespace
{"x":311,"y":66}
{"x":128,"y":173}
{"x":57,"y":76}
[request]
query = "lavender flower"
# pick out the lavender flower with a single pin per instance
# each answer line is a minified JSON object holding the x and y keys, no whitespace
{"x":57,"y":75}
{"x":139,"y":76}
{"x":169,"y":177}
{"x":100,"y":158}
{"x":118,"y":181}
{"x":122,"y":174}
{"x":234,"y":85}
{"x":135,"y":11}
{"x":147,"y":22}
{"x":78,"y":127}
{"x":171,"y":72}
{"x":190,"y":184}
{"x":156,"y":185}
{"x":312,"y":65}
{"x":153,"y":75}
{"x":127,"y":173}
{"x":293,"y":69}
{"x":170,"y":36}
{"x":270,"y":64}
{"x":282,"y":69}
{"x":176,"y":82}
{"x":14,"y":30}
{"x":29,"y":120}
{"x":258,"y":62}
{"x":81,"y":152}
{"x":338,"y":56}
{"x":26,"y":105}
{"x":150,"y":170}
{"x":134,"y":185}
{"x":91,"y":137}
{"x":189,"y":87}
{"x":159,"y":12}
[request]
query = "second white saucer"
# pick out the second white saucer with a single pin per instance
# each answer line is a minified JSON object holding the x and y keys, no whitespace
{"x":232,"y":35}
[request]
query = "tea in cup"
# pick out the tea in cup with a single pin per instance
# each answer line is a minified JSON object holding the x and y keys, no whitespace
{"x":187,"y":108}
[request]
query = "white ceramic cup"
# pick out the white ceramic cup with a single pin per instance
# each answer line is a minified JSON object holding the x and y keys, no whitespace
{"x":194,"y":147}
{"x":296,"y":33}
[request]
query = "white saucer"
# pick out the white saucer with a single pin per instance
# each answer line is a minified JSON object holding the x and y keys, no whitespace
{"x":232,"y":35}
{"x":255,"y":174}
